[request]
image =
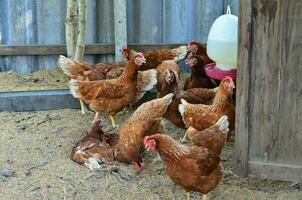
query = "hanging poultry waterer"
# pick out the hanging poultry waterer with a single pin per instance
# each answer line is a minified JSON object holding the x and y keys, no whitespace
{"x":222,"y":41}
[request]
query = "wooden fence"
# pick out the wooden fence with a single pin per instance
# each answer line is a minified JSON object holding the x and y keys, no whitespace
{"x":269,"y":90}
{"x":33,"y":24}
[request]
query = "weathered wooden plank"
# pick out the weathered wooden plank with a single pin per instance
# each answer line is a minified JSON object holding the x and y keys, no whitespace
{"x":37,"y":100}
{"x":22,"y":50}
{"x":266,"y":62}
{"x":144,"y":21}
{"x":149,"y":47}
{"x":289,"y":172}
{"x":243,"y":90}
{"x":90,"y":49}
{"x":120,"y":27}
{"x":290,"y":90}
{"x":269,"y":122}
{"x":47,"y":100}
{"x":198,"y":15}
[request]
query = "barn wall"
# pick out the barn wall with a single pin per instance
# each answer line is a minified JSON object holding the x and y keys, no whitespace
{"x":148,"y":21}
{"x":269,"y":123}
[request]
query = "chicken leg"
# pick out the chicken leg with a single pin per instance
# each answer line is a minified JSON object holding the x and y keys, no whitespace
{"x":188,"y":196}
{"x":112,"y":121}
{"x":204,"y":197}
{"x":83,"y":107}
{"x":95,"y":116}
{"x":184,"y":139}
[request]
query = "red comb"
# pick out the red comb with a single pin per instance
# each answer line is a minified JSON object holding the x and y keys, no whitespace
{"x":140,"y":54}
{"x":146,"y":139}
{"x":125,"y":48}
{"x":192,"y":41}
{"x":229,"y":78}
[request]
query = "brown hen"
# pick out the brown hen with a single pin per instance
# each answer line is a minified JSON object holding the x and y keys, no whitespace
{"x":196,"y":166}
{"x":95,"y":148}
{"x":201,"y":116}
{"x":196,"y":48}
{"x":198,"y":77}
{"x":146,"y":120}
{"x":156,"y":57}
{"x":195,"y":95}
{"x":83,"y":71}
{"x":110,"y":95}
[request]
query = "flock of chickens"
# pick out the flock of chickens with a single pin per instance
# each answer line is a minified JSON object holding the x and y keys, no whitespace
{"x":203,"y":106}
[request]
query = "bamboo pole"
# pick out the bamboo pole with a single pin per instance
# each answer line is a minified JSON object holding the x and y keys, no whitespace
{"x":70,"y":26}
{"x":82,"y":18}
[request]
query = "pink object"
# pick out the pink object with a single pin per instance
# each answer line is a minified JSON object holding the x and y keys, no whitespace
{"x":215,"y":73}
{"x":137,"y":166}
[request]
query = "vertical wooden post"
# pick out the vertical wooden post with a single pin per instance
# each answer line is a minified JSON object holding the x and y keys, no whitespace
{"x":243,"y":81}
{"x":120,"y":27}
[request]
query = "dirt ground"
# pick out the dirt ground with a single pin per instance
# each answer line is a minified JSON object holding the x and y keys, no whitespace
{"x":35,"y":164}
{"x":40,"y":80}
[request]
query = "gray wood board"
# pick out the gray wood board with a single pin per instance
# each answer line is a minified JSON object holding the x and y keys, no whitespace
{"x":269,"y":121}
{"x":242,"y":91}
{"x":46,"y":100}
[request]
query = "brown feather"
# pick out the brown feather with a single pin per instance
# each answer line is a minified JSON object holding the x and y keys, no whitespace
{"x":111,"y":95}
{"x":146,"y":120}
{"x":202,"y":116}
{"x":194,"y":168}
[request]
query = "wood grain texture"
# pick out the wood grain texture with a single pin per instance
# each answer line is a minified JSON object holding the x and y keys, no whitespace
{"x":269,"y":119}
{"x":275,"y":171}
{"x":242,"y":91}
{"x":120,"y":27}
{"x":90,"y":49}
{"x":47,"y":100}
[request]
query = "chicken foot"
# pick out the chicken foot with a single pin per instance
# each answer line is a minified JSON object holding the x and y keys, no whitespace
{"x":189,"y":197}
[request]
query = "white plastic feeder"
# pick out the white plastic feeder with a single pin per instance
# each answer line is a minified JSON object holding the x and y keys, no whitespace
{"x":222,"y":41}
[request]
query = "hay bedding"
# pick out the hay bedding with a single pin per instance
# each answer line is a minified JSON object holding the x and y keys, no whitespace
{"x":40,"y":80}
{"x":35,"y":163}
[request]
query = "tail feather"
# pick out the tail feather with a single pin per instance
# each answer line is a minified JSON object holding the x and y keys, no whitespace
{"x":223,"y":124}
{"x":73,"y":88}
{"x":64,"y":64}
{"x":157,"y":107}
{"x":181,"y":52}
{"x":168,"y":98}
{"x":145,"y":82}
{"x":93,"y":164}
{"x":176,"y":59}
{"x":181,"y":107}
